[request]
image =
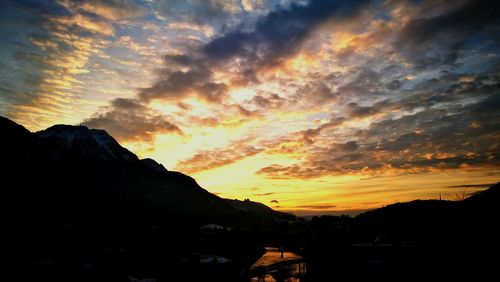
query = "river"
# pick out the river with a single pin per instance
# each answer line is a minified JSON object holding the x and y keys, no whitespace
{"x":273,"y":256}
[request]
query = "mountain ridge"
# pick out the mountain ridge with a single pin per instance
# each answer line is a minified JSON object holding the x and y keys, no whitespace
{"x":103,"y":174}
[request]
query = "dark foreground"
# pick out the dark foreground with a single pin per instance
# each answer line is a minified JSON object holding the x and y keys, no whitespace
{"x":411,"y":241}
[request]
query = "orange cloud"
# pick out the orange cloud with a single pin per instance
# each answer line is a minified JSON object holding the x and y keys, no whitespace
{"x":114,"y":10}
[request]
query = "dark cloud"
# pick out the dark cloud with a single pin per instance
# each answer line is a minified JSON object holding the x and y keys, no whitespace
{"x":264,"y":194}
{"x":245,"y":77}
{"x":356,"y":111}
{"x":280,"y":33}
{"x":436,"y":40}
{"x":350,"y":146}
{"x":271,"y":101}
{"x":274,"y":37}
{"x":365,"y":82}
{"x":246,"y":112}
{"x":182,"y":76}
{"x":429,"y":93}
{"x":129,"y":120}
{"x":40,"y":7}
{"x":393,"y":85}
{"x":22,"y":63}
{"x":127,"y":104}
{"x":317,"y":207}
{"x":405,"y":141}
{"x":310,"y":134}
{"x":315,"y":94}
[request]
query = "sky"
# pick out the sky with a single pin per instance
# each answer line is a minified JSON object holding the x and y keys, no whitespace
{"x":312,"y":107}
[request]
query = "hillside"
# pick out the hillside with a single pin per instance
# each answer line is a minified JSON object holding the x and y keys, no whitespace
{"x":417,"y":240}
{"x":76,"y":172}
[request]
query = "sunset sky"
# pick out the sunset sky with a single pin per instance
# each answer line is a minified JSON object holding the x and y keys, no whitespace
{"x":313,"y":107}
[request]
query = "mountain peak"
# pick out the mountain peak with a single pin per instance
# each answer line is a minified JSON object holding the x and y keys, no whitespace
{"x":86,"y":142}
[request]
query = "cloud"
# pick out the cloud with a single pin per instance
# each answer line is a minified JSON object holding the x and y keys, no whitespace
{"x":48,"y":47}
{"x":350,"y":146}
{"x":280,"y":33}
{"x":405,"y":141}
{"x":436,"y":40}
{"x":310,"y":134}
{"x":274,"y":201}
{"x":204,"y":29}
{"x":206,"y":160}
{"x":271,"y":101}
{"x":129,"y":120}
{"x":208,"y":122}
{"x":264,"y":194}
{"x":274,"y":36}
{"x":184,"y":76}
{"x":365,"y":82}
{"x":317,"y":207}
{"x":384,"y":113}
{"x":246,"y":113}
{"x":90,"y":24}
{"x":314,"y":95}
{"x":196,"y":11}
{"x":356,"y":111}
{"x":460,"y":136}
{"x":339,"y":87}
{"x":114,"y":9}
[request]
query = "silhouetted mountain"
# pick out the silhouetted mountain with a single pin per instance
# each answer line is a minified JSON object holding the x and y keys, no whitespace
{"x":489,"y":198}
{"x":16,"y":130}
{"x":431,"y":219}
{"x":82,"y":142}
{"x":417,"y":240}
{"x":154,"y":165}
{"x":425,"y":210}
{"x":79,"y":207}
{"x":15,"y":144}
{"x":76,"y":172}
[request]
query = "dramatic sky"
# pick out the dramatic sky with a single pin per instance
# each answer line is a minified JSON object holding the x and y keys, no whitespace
{"x":312,"y":106}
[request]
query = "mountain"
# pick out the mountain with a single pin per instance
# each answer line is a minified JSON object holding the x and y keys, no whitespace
{"x":76,"y":173}
{"x":415,"y":241}
{"x":84,"y":142}
{"x":487,"y":199}
{"x":80,"y":207}
{"x":434,"y":220}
